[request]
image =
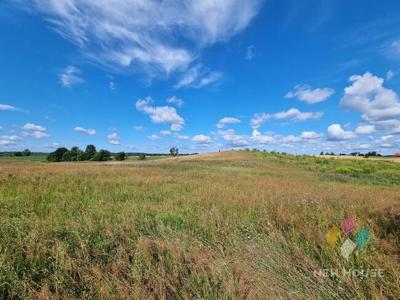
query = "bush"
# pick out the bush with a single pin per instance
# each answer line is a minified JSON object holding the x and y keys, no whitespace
{"x":142,"y":156}
{"x":19,"y":153}
{"x":67,"y":156}
{"x":120,"y":156}
{"x":102,"y":155}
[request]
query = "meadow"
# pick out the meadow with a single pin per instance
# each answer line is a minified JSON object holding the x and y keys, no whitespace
{"x":232,"y":225}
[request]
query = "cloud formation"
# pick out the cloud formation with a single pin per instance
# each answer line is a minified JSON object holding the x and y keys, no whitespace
{"x":70,"y":76}
{"x":293,"y":115}
{"x":113,"y":138}
{"x":308,"y":95}
{"x":158,"y":35}
{"x":161,"y":114}
{"x":9,"y":107}
{"x":378,"y":105}
{"x":85,"y":130}
{"x":337,"y":133}
{"x":227,"y":120}
{"x":202,"y":139}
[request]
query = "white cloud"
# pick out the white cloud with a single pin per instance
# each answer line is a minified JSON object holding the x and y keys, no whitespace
{"x":10,"y":138}
{"x":292,"y":114}
{"x":202,"y":139}
{"x":31,"y":126}
{"x":52,"y":145}
{"x":154,"y":137}
{"x":365,"y":129}
{"x":139,"y":128}
{"x":165,"y":132}
{"x":183,"y":137}
{"x":227,"y":120}
{"x":390,"y":74}
{"x":311,"y":96}
{"x":233,"y":139}
{"x":198,"y":77}
{"x":113,"y":138}
{"x":161,"y":114}
{"x":160,"y":35}
{"x":176,"y":101}
{"x":70,"y":76}
{"x":309,"y":135}
{"x":210,"y":78}
{"x":259,"y":119}
{"x":379,"y":106}
{"x":84,"y":130}
{"x":336,"y":133}
{"x":34,"y":131}
{"x":250,"y":52}
{"x":9,"y":107}
{"x":262,"y":139}
{"x":36,"y":134}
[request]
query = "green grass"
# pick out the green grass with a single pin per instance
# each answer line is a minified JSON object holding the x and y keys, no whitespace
{"x":229,"y":226}
{"x":34,"y":158}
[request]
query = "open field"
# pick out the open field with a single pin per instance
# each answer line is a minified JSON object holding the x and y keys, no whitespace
{"x":229,"y":225}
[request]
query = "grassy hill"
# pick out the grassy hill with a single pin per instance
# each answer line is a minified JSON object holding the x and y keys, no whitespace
{"x":228,"y":225}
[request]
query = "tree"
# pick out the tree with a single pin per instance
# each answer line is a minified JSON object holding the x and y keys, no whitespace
{"x":142,"y":156}
{"x":90,"y":152}
{"x":57,"y":155}
{"x":74,"y":153}
{"x":27,"y":152}
{"x":67,"y":156}
{"x":102,"y":155}
{"x":19,"y":153}
{"x":120,"y":156}
{"x":174,"y":151}
{"x":80,"y":155}
{"x":322,"y":153}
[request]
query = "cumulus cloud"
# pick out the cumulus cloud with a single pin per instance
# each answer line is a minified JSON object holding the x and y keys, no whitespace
{"x":175,"y":101}
{"x":337,"y":133}
{"x":232,"y":138}
{"x":309,"y":135}
{"x":227,"y":120}
{"x":378,"y":105}
{"x":292,"y":114}
{"x":160,"y":35}
{"x":202,"y":139}
{"x":161,"y":114}
{"x":70,"y":76}
{"x":85,"y":130}
{"x":113,"y":138}
{"x":262,"y":139}
{"x":34,"y":131}
{"x":311,"y":96}
{"x":183,"y":137}
{"x":9,"y":107}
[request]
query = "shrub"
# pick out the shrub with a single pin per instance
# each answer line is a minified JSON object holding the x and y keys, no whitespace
{"x":19,"y":153}
{"x":120,"y":156}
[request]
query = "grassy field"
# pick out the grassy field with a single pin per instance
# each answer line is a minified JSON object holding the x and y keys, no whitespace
{"x":235,"y":225}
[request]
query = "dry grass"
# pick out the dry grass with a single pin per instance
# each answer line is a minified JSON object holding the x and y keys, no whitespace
{"x":218,"y":226}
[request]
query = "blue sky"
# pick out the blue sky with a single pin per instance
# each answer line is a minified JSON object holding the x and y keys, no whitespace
{"x":134,"y":75}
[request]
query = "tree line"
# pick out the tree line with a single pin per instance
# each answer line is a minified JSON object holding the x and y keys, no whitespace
{"x":90,"y":153}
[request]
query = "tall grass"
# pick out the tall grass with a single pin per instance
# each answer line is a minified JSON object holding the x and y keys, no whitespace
{"x":224,"y":226}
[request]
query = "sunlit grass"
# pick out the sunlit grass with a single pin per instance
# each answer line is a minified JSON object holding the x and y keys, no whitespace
{"x":229,"y":225}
